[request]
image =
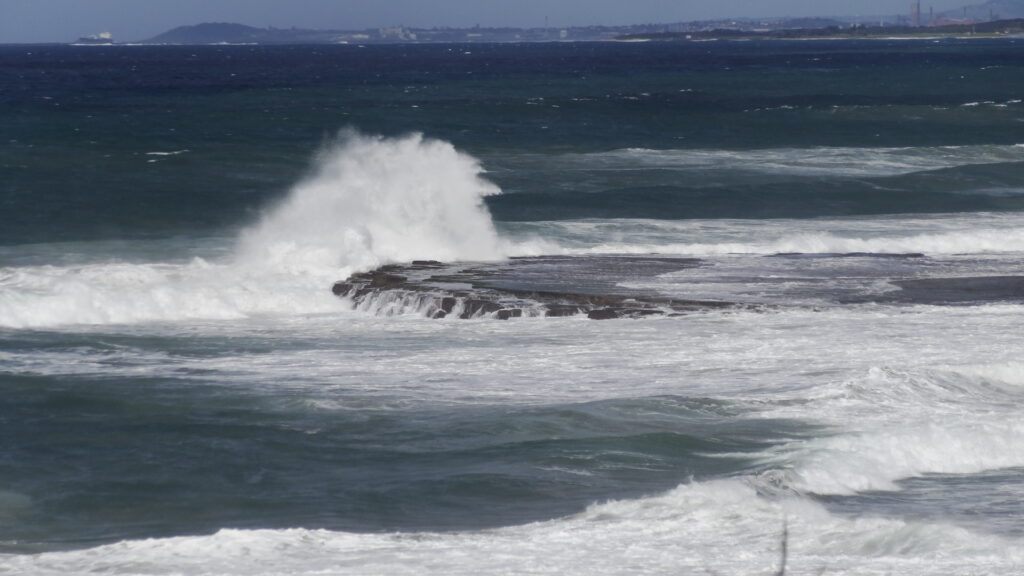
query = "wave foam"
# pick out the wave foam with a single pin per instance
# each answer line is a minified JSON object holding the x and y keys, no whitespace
{"x":373,"y":200}
{"x":938,"y":235}
{"x":715,"y":527}
{"x":980,"y":241}
{"x":369,"y":201}
{"x":819,"y":160}
{"x":902,"y":424}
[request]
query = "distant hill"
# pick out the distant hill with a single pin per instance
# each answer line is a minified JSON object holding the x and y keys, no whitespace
{"x":222,"y":32}
{"x":209,"y":33}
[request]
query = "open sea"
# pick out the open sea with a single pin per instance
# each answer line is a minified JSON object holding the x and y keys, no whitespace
{"x":181,"y":393}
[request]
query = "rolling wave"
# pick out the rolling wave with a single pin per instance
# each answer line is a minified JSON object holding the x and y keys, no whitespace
{"x":692,"y":529}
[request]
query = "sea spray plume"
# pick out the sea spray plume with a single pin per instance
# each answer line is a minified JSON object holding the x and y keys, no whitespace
{"x":372,"y":200}
{"x":368,"y":201}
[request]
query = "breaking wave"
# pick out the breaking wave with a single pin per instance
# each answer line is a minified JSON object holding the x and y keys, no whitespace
{"x":901,"y":424}
{"x":692,"y":529}
{"x":373,"y":200}
{"x":369,"y":200}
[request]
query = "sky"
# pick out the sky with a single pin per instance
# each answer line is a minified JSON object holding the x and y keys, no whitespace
{"x":26,"y":21}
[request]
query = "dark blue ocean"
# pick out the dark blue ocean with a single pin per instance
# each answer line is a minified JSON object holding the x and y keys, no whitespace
{"x":182,"y":393}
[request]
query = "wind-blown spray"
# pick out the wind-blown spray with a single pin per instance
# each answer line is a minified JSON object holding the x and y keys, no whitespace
{"x":372,"y":200}
{"x":369,"y":200}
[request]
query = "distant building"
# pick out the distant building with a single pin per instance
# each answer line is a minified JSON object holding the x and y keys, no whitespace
{"x":399,"y":33}
{"x":101,"y":38}
{"x":951,"y":22}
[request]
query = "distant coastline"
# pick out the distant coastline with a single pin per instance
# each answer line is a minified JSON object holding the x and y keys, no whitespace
{"x":995,"y":29}
{"x":785,"y":29}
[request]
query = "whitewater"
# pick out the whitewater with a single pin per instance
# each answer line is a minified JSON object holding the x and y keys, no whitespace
{"x":880,"y":420}
{"x":370,"y":201}
{"x":183,"y":393}
{"x":897,"y":393}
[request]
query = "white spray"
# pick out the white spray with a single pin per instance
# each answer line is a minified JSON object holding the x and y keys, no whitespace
{"x":373,"y":200}
{"x":369,"y":200}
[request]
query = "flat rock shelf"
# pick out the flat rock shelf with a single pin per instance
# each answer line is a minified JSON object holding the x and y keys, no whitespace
{"x":605,"y":287}
{"x":536,"y":286}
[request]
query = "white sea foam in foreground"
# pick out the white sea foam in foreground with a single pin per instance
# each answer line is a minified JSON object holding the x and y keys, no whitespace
{"x":899,"y":393}
{"x":716,"y":527}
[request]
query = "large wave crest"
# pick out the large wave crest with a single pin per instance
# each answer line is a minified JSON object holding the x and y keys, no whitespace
{"x":369,"y":200}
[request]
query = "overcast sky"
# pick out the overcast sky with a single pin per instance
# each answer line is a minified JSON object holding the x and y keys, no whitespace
{"x":127,"y":20}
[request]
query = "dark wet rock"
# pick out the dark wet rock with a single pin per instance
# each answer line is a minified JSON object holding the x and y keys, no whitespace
{"x":523,"y":287}
{"x":476,"y":307}
{"x":641,"y":312}
{"x":603,"y":314}
{"x":974,"y":289}
{"x":506,"y":313}
{"x":956,"y":291}
{"x":342,"y":288}
{"x":379,"y":278}
{"x":823,"y":255}
{"x":387,"y":280}
{"x":386,"y":269}
{"x":448,"y":304}
{"x":879,"y":255}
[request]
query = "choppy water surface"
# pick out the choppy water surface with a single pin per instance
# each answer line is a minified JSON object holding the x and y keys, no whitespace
{"x":183,"y":394}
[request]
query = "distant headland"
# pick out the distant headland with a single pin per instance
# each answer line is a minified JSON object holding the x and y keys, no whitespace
{"x":989,"y":19}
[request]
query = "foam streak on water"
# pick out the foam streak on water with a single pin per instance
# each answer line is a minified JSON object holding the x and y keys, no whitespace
{"x":941,"y":234}
{"x":829,"y":161}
